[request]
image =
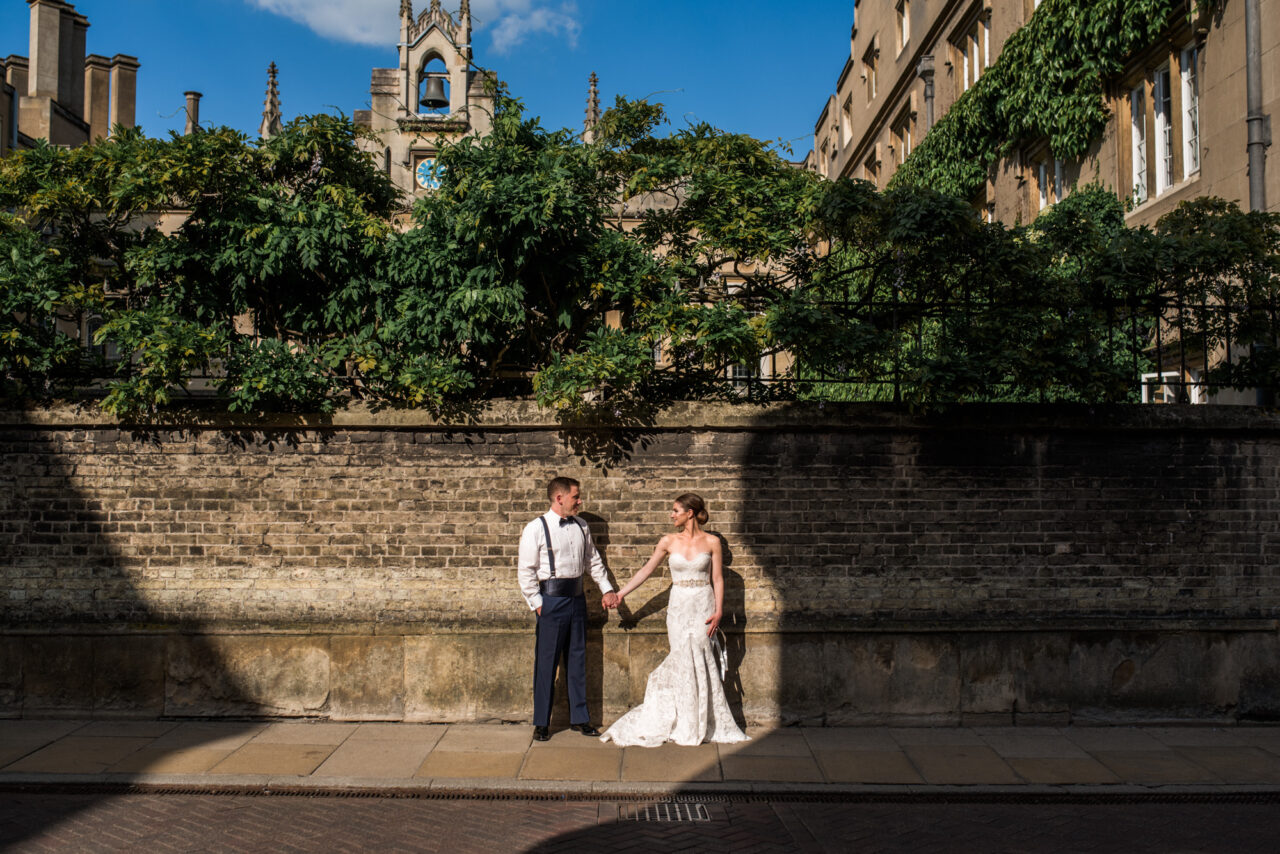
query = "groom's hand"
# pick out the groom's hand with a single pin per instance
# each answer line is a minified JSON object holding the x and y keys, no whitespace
{"x":610,"y":600}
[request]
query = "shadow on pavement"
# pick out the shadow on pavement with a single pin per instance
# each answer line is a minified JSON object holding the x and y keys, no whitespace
{"x":93,"y":666}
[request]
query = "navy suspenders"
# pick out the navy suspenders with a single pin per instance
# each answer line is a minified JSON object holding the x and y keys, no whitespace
{"x":551,"y":555}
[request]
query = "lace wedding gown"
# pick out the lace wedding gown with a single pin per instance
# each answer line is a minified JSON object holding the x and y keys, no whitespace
{"x":684,"y":700}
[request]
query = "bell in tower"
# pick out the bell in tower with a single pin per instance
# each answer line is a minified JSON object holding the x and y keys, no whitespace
{"x":434,"y":97}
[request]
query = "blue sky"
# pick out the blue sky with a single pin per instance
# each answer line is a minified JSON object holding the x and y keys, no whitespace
{"x":753,"y":67}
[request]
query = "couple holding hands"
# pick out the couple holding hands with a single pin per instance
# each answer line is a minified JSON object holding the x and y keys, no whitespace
{"x":684,"y":699}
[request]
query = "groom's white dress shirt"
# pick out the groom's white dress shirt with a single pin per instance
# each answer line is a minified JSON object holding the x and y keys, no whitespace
{"x":574,"y":549}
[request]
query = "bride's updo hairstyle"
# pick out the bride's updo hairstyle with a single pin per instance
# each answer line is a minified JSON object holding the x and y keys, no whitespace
{"x":689,"y":501}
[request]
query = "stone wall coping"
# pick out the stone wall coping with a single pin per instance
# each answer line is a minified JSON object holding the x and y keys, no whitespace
{"x":527,"y":415}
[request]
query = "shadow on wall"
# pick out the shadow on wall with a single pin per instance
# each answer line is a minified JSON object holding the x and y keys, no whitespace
{"x":1006,"y":567}
{"x":95,"y":626}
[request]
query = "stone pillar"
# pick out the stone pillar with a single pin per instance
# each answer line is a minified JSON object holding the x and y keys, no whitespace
{"x":97,"y":96}
{"x":46,"y":48}
{"x":193,"y":113}
{"x":124,"y":89}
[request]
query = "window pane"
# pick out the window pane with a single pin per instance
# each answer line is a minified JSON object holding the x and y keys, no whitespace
{"x":1138,"y":142}
{"x":1164,"y":130}
{"x":1191,"y":112}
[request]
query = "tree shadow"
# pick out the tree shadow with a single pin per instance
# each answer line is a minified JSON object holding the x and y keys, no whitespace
{"x":606,"y":434}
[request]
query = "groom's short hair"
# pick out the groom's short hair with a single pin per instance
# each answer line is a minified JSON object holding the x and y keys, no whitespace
{"x":559,"y":485}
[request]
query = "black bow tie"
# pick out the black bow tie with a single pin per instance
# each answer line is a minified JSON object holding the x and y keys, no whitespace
{"x":564,"y":521}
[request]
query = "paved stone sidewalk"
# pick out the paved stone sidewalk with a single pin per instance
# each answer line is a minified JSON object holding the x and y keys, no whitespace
{"x":326,"y":755}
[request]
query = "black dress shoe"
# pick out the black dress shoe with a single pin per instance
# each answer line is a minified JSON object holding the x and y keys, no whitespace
{"x":541,"y":733}
{"x":585,"y":729}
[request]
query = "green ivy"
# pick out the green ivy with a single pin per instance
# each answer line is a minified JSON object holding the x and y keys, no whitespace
{"x":1048,"y":83}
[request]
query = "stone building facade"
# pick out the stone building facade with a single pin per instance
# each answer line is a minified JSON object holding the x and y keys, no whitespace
{"x":435,"y":62}
{"x":1178,"y":111}
{"x":58,"y":93}
{"x":1178,"y":125}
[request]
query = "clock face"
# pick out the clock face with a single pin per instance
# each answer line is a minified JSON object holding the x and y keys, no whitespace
{"x":428,"y":174}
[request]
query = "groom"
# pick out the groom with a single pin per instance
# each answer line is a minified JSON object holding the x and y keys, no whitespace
{"x":556,"y":550}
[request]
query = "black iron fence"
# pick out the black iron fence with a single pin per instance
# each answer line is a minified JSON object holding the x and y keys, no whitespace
{"x":1162,"y":349}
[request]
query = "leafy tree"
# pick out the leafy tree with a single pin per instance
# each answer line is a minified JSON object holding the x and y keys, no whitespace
{"x":1217,"y":276}
{"x":37,"y":290}
{"x":259,"y":284}
{"x":547,"y":261}
{"x":1091,"y":323}
{"x":547,"y":266}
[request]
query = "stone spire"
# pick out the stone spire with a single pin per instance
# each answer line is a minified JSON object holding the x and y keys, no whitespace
{"x":406,"y":10}
{"x":271,"y":124}
{"x":593,"y":110}
{"x":464,"y":29}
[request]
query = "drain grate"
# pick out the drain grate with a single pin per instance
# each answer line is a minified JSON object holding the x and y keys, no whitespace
{"x":673,"y":811}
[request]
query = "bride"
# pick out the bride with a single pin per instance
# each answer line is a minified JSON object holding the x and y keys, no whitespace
{"x":684,"y":700}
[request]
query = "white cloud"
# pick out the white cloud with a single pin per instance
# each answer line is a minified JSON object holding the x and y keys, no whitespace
{"x":371,"y":22}
{"x":511,"y":21}
{"x":377,"y":22}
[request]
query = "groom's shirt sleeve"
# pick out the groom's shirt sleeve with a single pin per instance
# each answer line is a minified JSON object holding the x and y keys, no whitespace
{"x":530,"y":559}
{"x":597,"y":565}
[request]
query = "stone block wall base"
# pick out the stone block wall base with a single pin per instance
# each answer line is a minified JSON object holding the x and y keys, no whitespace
{"x":776,"y":677}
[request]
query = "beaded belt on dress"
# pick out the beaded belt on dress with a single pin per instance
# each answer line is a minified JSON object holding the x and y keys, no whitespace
{"x":691,"y":582}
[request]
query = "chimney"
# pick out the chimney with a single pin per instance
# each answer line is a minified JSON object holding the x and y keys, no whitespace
{"x":193,"y":112}
{"x":46,"y":48}
{"x":97,"y":96}
{"x":124,"y":90}
{"x":71,"y":74}
{"x":16,"y":72}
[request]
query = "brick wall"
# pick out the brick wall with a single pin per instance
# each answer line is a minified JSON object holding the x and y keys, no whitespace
{"x":364,"y":567}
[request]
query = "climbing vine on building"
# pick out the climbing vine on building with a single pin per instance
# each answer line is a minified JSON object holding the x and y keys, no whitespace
{"x":1048,"y":83}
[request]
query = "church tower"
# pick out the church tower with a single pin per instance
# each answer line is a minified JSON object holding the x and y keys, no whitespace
{"x":434,"y":93}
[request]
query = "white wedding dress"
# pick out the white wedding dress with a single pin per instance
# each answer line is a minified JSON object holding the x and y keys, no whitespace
{"x":684,"y":700}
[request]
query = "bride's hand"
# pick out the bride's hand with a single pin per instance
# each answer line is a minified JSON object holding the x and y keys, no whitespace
{"x":713,"y":623}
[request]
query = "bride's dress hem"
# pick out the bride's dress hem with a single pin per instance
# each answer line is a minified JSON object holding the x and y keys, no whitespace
{"x":684,"y":700}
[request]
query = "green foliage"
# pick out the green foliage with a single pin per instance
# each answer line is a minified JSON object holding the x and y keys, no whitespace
{"x":274,"y":243}
{"x":1217,"y":270}
{"x":522,"y":269}
{"x":274,"y":279}
{"x":1046,"y":84}
{"x":36,"y":290}
{"x":919,"y":301}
